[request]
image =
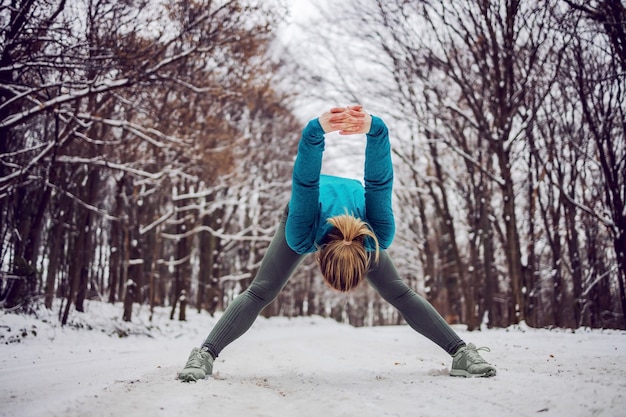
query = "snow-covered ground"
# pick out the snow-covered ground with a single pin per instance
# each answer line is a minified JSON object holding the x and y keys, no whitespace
{"x":301,"y":367}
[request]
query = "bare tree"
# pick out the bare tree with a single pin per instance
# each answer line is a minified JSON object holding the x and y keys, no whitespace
{"x":108,"y":112}
{"x":596,"y":74}
{"x":521,"y":119}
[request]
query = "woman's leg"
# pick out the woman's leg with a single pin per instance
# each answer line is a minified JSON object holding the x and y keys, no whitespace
{"x":417,"y":312}
{"x":276,"y":267}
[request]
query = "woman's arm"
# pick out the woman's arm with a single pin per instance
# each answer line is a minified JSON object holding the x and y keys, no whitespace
{"x":379,"y":183}
{"x":304,"y":203}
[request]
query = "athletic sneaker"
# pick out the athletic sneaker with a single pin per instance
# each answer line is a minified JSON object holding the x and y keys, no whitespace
{"x":199,"y":365}
{"x":467,"y":362}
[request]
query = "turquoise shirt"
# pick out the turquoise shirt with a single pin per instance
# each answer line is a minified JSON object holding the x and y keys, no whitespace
{"x":316,"y":197}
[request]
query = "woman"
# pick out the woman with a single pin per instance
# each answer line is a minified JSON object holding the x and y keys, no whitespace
{"x":349,"y":226}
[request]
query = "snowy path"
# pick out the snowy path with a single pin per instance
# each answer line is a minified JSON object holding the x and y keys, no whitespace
{"x":312,"y":367}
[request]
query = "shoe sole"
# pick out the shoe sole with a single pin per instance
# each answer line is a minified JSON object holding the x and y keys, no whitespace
{"x":189,"y":378}
{"x":465,"y":374}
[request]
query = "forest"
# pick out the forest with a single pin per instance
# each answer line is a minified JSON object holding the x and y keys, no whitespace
{"x":146,"y":150}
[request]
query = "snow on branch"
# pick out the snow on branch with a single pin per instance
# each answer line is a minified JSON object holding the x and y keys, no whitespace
{"x":175,"y":262}
{"x":63,"y":98}
{"x":89,"y":207}
{"x":476,"y":163}
{"x":240,"y":237}
{"x":99,"y":161}
{"x":33,"y":162}
{"x":93,"y":88}
{"x":605,"y":220}
{"x":160,"y":220}
{"x":235,"y":277}
{"x":137,"y":130}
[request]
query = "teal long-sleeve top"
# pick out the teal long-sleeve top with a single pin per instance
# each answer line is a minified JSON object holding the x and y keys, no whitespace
{"x":316,"y":197}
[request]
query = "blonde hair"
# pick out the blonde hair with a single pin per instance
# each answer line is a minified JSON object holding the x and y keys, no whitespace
{"x":343,"y":259}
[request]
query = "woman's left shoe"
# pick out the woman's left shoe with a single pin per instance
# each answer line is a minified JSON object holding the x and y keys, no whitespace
{"x":467,"y":362}
{"x":199,"y":366}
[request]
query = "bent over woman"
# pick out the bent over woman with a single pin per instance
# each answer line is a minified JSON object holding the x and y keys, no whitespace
{"x":348,"y":226}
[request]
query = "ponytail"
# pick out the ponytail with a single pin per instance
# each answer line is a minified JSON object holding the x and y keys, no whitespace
{"x":343,"y":259}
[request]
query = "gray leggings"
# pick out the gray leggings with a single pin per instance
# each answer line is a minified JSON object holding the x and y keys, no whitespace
{"x":278,"y":265}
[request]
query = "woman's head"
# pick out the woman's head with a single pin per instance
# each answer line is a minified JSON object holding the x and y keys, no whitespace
{"x":343,"y":258}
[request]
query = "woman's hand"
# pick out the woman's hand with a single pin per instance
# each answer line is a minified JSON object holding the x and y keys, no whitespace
{"x":349,"y":120}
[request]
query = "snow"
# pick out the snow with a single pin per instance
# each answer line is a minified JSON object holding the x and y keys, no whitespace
{"x":306,"y":366}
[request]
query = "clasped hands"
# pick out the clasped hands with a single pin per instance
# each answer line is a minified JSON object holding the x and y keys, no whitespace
{"x":348,"y":120}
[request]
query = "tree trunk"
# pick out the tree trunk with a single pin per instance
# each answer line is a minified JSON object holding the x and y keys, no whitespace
{"x":77,"y":262}
{"x":620,"y":249}
{"x":532,"y":296}
{"x":452,"y":269}
{"x":129,"y":299}
{"x":182,"y":312}
{"x":56,"y":248}
{"x":512,"y":247}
